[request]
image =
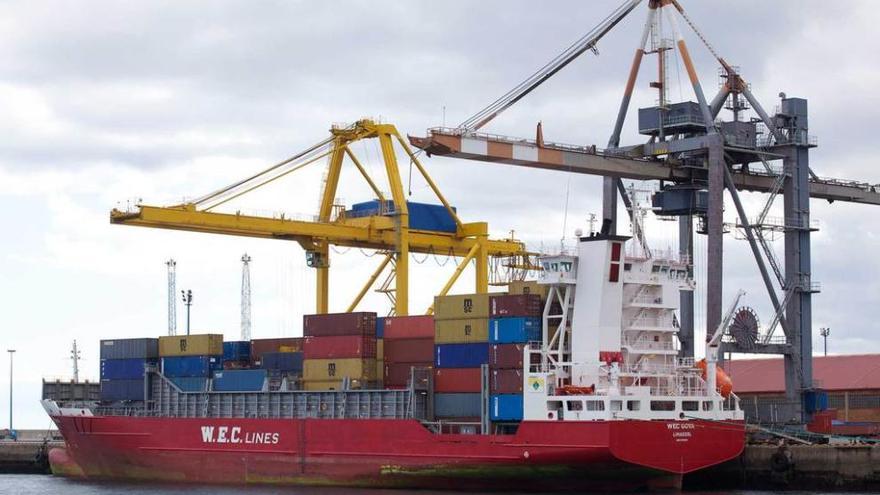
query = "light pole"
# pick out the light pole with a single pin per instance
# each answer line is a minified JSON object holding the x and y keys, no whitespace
{"x":187,"y":301}
{"x":825,"y":332}
{"x":11,"y":352}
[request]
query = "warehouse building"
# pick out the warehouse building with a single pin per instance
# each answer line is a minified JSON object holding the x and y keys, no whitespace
{"x":852,"y":384}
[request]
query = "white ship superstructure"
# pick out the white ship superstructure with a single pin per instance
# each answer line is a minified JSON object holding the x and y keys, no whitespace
{"x":610,"y":348}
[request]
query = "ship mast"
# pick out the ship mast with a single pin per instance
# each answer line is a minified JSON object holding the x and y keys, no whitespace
{"x":172,"y":302}
{"x":245,"y":297}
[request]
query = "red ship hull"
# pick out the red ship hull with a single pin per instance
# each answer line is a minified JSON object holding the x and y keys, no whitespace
{"x":544,"y":455}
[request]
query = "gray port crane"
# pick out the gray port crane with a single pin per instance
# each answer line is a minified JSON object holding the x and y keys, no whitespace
{"x":695,"y":156}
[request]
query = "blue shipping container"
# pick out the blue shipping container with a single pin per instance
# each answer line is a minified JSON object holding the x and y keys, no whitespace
{"x":122,"y":389}
{"x":237,"y":350}
{"x":461,"y":355}
{"x":457,"y":405}
{"x":422,"y":216}
{"x":190,"y":383}
{"x":514,"y":330}
{"x":506,"y":407}
{"x":124,"y":369}
{"x":130,"y":348}
{"x":380,"y":328}
{"x":282,"y":361}
{"x":815,"y":400}
{"x":181,"y":366}
{"x":239,"y":380}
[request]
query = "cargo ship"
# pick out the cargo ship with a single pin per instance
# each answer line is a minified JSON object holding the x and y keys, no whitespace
{"x":571,"y":381}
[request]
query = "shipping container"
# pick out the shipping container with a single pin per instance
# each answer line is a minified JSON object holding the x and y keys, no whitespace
{"x":506,"y":407}
{"x":461,"y":306}
{"x":457,"y":380}
{"x":380,"y":327}
{"x":285,"y":344}
{"x":130,"y":348}
{"x":339,"y":346}
{"x":526,"y":305}
{"x":238,"y":350}
{"x":528,"y":287}
{"x":422,"y":216}
{"x":282,"y":361}
{"x":185,"y":366}
{"x":397,"y":375}
{"x":336,"y":369}
{"x":318,"y":385}
{"x":208,"y":344}
{"x":239,"y":380}
{"x":122,"y":389}
{"x":409,"y":327}
{"x":124,"y":369}
{"x":461,"y":355}
{"x":507,"y":356}
{"x":409,"y":350}
{"x":457,"y":405}
{"x":324,"y":325}
{"x":506,"y":381}
{"x":190,"y":383}
{"x":461,"y":331}
{"x":380,"y":349}
{"x":514,"y":330}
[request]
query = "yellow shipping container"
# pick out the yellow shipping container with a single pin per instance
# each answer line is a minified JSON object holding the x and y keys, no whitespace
{"x":528,"y":287}
{"x":461,"y":306}
{"x":380,"y":358}
{"x":337,"y":369}
{"x":319,"y":385}
{"x":208,"y":344}
{"x":461,"y":331}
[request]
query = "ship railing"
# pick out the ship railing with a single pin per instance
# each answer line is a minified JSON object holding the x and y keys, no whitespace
{"x":651,"y":322}
{"x":453,"y":427}
{"x":649,"y":345}
{"x":647,"y":300}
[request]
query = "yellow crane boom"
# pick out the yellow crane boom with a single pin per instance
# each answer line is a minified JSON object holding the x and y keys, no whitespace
{"x":384,"y":231}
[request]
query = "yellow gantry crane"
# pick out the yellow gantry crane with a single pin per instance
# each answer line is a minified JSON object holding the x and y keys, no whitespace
{"x":386,"y":230}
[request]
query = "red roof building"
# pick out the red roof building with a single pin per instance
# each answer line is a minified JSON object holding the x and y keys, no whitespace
{"x":859,"y":372}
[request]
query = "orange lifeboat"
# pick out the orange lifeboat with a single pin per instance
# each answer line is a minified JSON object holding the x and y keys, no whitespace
{"x":722,"y":380}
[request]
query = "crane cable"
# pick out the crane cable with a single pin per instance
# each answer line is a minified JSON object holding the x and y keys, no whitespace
{"x":586,"y":42}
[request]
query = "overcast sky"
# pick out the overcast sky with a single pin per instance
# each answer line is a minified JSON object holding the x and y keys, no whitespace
{"x":104,"y":103}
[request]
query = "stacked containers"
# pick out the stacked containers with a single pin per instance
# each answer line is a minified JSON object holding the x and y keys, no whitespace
{"x":283,"y":344}
{"x":284,"y":369}
{"x":190,"y":360}
{"x":461,"y":336}
{"x":123,"y":363}
{"x":236,"y":355}
{"x":408,"y":342}
{"x":339,"y":346}
{"x":380,"y":348}
{"x":515,"y":321}
{"x":240,"y":381}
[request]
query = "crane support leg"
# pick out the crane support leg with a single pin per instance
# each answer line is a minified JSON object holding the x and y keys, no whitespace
{"x":401,"y":259}
{"x":686,"y":297}
{"x":322,"y":282}
{"x":460,"y":268}
{"x":715,"y":228}
{"x":482,"y":272}
{"x":370,"y":282}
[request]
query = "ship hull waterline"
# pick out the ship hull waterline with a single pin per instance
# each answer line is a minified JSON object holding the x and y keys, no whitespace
{"x":544,"y":455}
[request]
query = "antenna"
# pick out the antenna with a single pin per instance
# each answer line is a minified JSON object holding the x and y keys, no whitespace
{"x":245,"y":297}
{"x":75,"y":356}
{"x":172,"y":301}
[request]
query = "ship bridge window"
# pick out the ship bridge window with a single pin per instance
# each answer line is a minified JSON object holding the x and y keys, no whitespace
{"x":617,"y":405}
{"x":663,"y":405}
{"x":655,"y":268}
{"x":708,"y":405}
{"x":566,"y":266}
{"x":627,"y":267}
{"x":595,"y":405}
{"x":690,"y":405}
{"x":574,"y":405}
{"x":633,"y":405}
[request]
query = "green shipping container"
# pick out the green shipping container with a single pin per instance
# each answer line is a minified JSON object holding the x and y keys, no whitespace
{"x":461,"y":306}
{"x":209,"y":344}
{"x":462,"y":331}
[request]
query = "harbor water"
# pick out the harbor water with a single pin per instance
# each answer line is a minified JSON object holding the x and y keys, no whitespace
{"x":50,"y":485}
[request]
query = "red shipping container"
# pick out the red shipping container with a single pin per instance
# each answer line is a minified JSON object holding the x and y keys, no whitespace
{"x":324,"y":325}
{"x":409,"y":350}
{"x":506,"y":381}
{"x":457,"y":380}
{"x":261,"y":346}
{"x":506,"y":356}
{"x":524,"y":305}
{"x":339,"y":346}
{"x":396,"y":375}
{"x":409,"y":327}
